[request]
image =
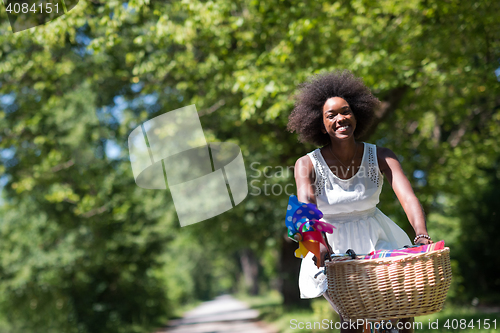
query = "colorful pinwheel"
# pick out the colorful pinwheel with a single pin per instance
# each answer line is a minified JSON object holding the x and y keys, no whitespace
{"x":302,"y":221}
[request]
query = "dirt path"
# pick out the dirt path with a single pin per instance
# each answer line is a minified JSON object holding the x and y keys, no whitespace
{"x":224,"y":314}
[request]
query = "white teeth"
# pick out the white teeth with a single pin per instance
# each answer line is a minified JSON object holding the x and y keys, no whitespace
{"x":342,"y":128}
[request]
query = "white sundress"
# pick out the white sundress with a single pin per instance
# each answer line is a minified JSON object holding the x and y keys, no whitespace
{"x":350,"y":205}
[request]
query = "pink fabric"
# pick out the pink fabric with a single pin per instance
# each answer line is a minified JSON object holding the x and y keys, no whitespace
{"x":406,"y":251}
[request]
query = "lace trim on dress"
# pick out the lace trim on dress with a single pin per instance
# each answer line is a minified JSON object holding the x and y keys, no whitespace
{"x":320,"y":175}
{"x":372,"y":165}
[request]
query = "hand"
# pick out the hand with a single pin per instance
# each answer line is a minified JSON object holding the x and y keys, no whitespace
{"x":324,"y":253}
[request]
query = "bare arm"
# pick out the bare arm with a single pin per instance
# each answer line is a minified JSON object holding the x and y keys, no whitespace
{"x":305,"y":178}
{"x":391,"y":168}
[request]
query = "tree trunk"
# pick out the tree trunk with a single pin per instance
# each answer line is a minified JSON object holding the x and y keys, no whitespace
{"x":250,"y":267}
{"x":387,"y":107}
{"x":289,"y":267}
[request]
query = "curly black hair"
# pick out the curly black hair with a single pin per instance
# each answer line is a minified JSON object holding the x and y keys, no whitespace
{"x":307,"y":117}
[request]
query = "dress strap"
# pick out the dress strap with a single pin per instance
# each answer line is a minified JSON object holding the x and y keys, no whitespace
{"x":373,"y":170}
{"x":320,"y":172}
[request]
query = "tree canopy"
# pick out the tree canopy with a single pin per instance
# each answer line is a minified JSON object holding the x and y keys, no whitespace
{"x":86,"y":250}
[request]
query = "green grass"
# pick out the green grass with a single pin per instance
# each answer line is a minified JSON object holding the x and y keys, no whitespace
{"x":273,"y":312}
{"x":179,"y":310}
{"x":286,"y":321}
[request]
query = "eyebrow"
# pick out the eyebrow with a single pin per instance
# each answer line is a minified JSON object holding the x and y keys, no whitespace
{"x":344,"y":107}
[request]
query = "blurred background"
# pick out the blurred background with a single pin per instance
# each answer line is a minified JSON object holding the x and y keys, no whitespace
{"x":83,"y":249}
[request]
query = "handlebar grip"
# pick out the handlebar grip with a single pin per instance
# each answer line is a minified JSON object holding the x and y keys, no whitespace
{"x":351,"y":253}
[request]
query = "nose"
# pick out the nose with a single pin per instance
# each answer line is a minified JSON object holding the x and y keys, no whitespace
{"x":340,"y":117}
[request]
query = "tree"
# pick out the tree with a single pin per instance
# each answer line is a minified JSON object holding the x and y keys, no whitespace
{"x":79,"y":85}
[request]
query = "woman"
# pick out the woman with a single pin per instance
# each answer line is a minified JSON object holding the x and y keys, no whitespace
{"x":344,"y":177}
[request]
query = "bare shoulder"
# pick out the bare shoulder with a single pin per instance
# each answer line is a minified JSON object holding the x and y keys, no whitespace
{"x":304,"y":162}
{"x":304,"y":166}
{"x":384,"y":153}
{"x":383,"y":156}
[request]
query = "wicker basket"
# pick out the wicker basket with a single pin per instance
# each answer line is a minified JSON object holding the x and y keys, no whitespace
{"x":390,"y":288}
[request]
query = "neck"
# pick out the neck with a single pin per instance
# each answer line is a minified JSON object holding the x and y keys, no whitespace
{"x":344,"y":149}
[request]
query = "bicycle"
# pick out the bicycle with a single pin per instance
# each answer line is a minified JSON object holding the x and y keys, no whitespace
{"x":389,"y":284}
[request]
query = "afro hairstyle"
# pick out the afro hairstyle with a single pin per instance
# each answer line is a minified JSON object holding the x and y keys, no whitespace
{"x":306,"y":118}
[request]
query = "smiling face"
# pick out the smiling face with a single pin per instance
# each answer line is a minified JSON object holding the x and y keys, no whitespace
{"x":338,"y":118}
